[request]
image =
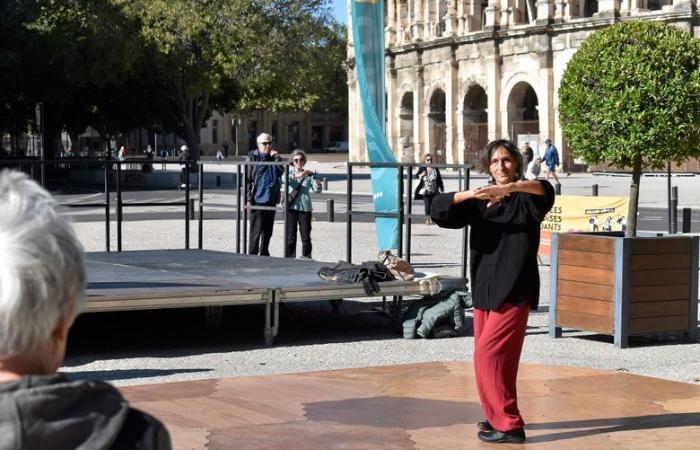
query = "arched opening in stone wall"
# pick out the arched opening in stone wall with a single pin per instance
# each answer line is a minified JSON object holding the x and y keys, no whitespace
{"x":406,"y":127}
{"x":656,"y":5}
{"x":437,"y":129}
{"x":588,"y":8}
{"x":475,"y":115}
{"x":523,"y":115}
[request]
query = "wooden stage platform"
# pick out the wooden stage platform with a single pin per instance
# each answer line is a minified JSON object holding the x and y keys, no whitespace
{"x":158,"y":279}
{"x":422,"y":406}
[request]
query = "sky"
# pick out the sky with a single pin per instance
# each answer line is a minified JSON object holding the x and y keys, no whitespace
{"x":339,"y":10}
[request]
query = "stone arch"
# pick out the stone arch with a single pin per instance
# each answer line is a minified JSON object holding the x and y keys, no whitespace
{"x":520,"y":103}
{"x":437,"y":130}
{"x":474,"y":109}
{"x":406,"y":121}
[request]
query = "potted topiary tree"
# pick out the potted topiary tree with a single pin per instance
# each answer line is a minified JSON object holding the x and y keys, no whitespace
{"x":630,"y":97}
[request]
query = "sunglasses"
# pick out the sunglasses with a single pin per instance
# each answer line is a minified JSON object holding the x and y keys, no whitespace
{"x":265,"y":143}
{"x":298,"y":160}
{"x":428,"y":160}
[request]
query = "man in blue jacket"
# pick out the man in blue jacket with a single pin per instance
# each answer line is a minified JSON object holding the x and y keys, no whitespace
{"x":551,"y":159}
{"x":264,"y":183}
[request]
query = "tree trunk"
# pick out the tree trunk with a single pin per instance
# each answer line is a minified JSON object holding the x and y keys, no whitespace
{"x":631,"y":230}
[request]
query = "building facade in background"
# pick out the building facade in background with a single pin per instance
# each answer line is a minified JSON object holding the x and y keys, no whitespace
{"x":236,"y":133}
{"x":460,"y":73}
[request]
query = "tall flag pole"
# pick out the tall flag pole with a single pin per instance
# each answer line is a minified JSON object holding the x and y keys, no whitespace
{"x":368,"y":38}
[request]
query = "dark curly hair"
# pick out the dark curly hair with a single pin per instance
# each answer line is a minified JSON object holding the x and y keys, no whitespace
{"x":484,"y":162}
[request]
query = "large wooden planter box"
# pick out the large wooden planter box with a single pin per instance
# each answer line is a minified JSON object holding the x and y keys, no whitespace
{"x":624,"y":286}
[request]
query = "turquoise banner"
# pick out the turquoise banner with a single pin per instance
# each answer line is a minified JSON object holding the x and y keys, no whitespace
{"x":368,"y":39}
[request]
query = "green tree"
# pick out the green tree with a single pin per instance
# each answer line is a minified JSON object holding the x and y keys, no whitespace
{"x":229,"y":54}
{"x":630,"y":97}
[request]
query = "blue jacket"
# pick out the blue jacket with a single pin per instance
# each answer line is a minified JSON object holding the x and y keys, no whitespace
{"x":306,"y":185}
{"x":264,"y":180}
{"x":551,"y":156}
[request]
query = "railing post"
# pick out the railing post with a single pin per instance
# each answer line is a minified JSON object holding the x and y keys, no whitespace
{"x":119,"y":207}
{"x":594,"y":190}
{"x":348,"y":221}
{"x":409,"y":211}
{"x":238,"y":208}
{"x":401,"y":209}
{"x":330,"y":207}
{"x":107,"y":230}
{"x":200,"y":187}
{"x":187,"y":204}
{"x":687,"y":219}
{"x":557,"y":188}
{"x":325,"y":183}
{"x":674,"y":210}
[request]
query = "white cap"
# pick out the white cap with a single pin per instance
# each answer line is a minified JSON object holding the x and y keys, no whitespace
{"x":183,"y":148}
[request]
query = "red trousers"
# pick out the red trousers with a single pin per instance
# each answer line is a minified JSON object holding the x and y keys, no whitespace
{"x":498,"y":341}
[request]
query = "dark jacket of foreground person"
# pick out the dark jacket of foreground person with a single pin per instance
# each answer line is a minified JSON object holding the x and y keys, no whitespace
{"x":504,"y":240}
{"x":52,"y":412}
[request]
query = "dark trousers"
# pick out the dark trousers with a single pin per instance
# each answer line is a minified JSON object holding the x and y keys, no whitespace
{"x":428,"y":201}
{"x":261,"y":224}
{"x":302,"y":220}
{"x":498,"y":342}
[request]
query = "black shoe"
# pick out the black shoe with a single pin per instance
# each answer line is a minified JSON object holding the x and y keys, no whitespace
{"x":484,"y":425}
{"x":500,"y":437}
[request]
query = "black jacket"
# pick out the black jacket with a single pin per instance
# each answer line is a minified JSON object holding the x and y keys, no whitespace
{"x":52,"y":412}
{"x":421,"y":171}
{"x":503,"y":243}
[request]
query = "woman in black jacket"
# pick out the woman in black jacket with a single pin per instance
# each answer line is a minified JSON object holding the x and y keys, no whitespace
{"x":429,"y":186}
{"x":505,"y":222}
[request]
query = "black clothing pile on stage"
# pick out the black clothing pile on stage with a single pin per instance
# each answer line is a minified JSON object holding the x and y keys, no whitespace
{"x":369,"y":273}
{"x":503,"y":244}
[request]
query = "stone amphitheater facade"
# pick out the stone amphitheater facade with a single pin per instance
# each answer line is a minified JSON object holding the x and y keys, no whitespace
{"x":462,"y":72}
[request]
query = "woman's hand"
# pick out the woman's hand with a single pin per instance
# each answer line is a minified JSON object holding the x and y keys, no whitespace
{"x":493,"y":193}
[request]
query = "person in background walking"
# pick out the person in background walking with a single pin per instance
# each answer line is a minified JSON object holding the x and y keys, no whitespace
{"x":302,"y":182}
{"x":183,"y":159}
{"x":505,"y":220}
{"x":163,"y":157}
{"x":526,"y":150}
{"x":429,"y":186}
{"x":42,"y":291}
{"x":264,"y":190}
{"x":551,"y":159}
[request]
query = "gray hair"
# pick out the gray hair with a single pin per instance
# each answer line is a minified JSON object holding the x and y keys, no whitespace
{"x":42,"y":275}
{"x":297,"y":152}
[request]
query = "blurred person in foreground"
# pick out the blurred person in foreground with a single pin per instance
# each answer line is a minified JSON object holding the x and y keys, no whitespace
{"x":42,"y":279}
{"x":505,"y":219}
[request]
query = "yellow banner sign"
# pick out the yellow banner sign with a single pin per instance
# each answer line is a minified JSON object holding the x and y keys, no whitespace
{"x":584,"y":213}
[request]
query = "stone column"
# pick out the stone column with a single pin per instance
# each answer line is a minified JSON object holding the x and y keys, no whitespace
{"x":492,"y":15}
{"x":391,"y":110}
{"x":419,"y":116}
{"x":451,"y":18}
{"x":451,"y":94}
{"x":545,"y":11}
{"x":418,"y":24}
{"x":390,"y":29}
{"x":493,"y":93}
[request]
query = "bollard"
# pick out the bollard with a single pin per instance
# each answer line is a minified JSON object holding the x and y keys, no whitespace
{"x":325,"y":184}
{"x":687,"y":212}
{"x":218,"y":180}
{"x":192,"y":208}
{"x":674,"y":210}
{"x":330,"y":209}
{"x":557,"y":188}
{"x":594,"y":190}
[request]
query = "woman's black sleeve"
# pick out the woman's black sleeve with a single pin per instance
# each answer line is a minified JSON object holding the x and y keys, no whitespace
{"x":450,"y":216}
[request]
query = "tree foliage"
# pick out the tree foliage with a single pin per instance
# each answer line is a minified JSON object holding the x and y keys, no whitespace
{"x":164,"y":64}
{"x":630,"y":96}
